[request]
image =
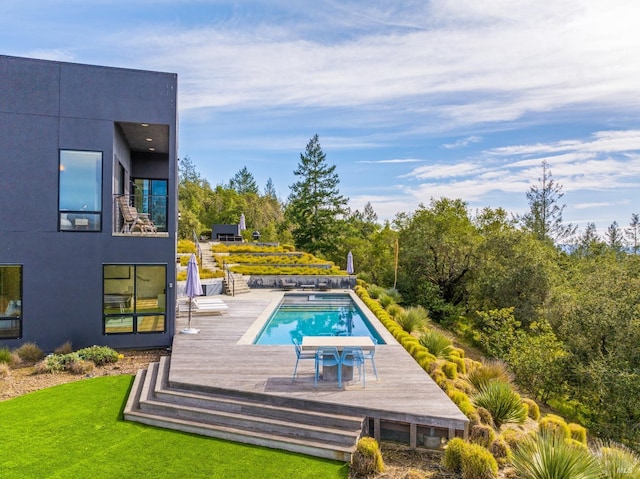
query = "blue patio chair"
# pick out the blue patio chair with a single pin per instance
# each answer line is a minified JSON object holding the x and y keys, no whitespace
{"x":300,"y":355}
{"x":353,"y":357}
{"x":327,"y":357}
{"x":368,"y":354}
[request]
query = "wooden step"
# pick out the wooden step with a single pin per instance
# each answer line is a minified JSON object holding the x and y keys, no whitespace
{"x":237,"y":416}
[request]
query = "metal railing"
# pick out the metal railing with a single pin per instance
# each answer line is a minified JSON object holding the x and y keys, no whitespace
{"x":230,"y":279}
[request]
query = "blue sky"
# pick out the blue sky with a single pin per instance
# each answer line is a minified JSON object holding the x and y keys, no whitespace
{"x":411,"y":100}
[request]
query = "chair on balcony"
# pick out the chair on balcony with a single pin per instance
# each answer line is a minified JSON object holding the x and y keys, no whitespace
{"x":132,"y":220}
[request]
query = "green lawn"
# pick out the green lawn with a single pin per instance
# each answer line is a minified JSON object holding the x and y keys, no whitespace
{"x":77,"y":430}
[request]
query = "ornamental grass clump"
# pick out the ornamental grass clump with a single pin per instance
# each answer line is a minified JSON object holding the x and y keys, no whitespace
{"x":488,"y":371}
{"x":413,"y":319}
{"x":30,"y":352}
{"x":534,"y":409}
{"x":482,"y":435}
{"x":548,"y":455}
{"x":367,"y":458}
{"x":617,"y":461}
{"x":375,"y":291}
{"x":504,"y":404}
{"x":6,"y":357}
{"x":5,"y":371}
{"x":578,"y":433}
{"x":437,"y":343}
{"x":554,"y":424}
{"x":472,"y":460}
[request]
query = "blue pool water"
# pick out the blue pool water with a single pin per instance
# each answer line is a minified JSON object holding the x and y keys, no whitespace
{"x":300,"y":315}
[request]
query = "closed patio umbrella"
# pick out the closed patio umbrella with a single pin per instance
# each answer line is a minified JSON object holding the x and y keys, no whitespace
{"x":350,"y":269}
{"x":243,"y":223}
{"x":193,"y":289}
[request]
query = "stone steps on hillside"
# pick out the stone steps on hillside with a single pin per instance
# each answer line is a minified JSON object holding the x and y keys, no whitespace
{"x":238,"y":286}
{"x":263,"y":420}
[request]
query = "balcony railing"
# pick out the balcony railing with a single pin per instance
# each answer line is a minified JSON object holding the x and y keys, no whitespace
{"x":143,"y":215}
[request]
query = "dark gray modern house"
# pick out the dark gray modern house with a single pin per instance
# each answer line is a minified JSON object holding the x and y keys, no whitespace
{"x":88,"y":205}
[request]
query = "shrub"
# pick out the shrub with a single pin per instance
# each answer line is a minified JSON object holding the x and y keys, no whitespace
{"x":385,"y":300}
{"x":65,"y":348}
{"x":453,"y":452}
{"x":617,"y":461}
{"x":482,"y":434}
{"x":450,"y":369}
{"x":554,"y":425}
{"x":485,"y":416}
{"x":534,"y":410}
{"x":367,"y":458}
{"x":437,"y":343}
{"x":375,"y":291}
{"x":577,"y":432}
{"x":478,"y":463}
{"x":186,"y":246}
{"x":99,"y":355}
{"x":548,"y":455}
{"x":488,"y":371}
{"x":394,"y":294}
{"x":513,"y":437}
{"x":413,"y":319}
{"x":5,"y":355}
{"x":81,"y":367}
{"x":504,"y":404}
{"x":4,"y":370}
{"x":394,"y":310}
{"x":500,"y":450}
{"x":460,"y":363}
{"x":30,"y":352}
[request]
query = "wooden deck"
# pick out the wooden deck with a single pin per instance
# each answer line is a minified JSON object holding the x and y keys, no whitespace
{"x":404,"y":401}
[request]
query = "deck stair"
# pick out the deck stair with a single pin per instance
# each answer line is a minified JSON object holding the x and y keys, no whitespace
{"x":238,"y":286}
{"x":259,"y":419}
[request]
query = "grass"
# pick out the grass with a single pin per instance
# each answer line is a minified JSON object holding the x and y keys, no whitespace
{"x":77,"y":430}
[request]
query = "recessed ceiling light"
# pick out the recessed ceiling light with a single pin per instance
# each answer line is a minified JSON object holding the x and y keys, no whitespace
{"x":152,"y":149}
{"x":149,"y":139}
{"x":144,"y":124}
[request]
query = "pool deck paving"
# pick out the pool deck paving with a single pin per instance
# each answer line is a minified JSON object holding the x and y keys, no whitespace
{"x":222,"y":356}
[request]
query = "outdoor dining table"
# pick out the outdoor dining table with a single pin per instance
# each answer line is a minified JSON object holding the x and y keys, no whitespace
{"x":330,"y":373}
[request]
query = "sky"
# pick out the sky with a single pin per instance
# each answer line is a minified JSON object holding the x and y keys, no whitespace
{"x":412,"y":100}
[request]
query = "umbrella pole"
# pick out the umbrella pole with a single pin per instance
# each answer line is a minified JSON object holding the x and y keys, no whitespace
{"x":189,"y":325}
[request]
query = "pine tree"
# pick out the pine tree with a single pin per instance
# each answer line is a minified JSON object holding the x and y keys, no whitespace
{"x":615,"y":238}
{"x":270,"y":190}
{"x":544,"y":218}
{"x":315,"y":205}
{"x":632,"y":233}
{"x":243,"y":182}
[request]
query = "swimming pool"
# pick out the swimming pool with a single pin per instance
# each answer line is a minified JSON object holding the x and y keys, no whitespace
{"x":328,"y":314}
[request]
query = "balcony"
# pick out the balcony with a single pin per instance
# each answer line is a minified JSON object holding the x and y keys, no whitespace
{"x":140,"y":215}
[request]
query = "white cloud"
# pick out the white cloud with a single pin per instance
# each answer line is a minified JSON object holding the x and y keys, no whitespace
{"x":444,"y":171}
{"x":462,"y":142}
{"x":394,"y":161}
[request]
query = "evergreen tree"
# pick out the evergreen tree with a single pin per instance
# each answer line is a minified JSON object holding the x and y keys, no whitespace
{"x":615,"y":237}
{"x":270,"y":190}
{"x":632,"y":233}
{"x":243,"y":182}
{"x":544,"y":218}
{"x":315,"y":204}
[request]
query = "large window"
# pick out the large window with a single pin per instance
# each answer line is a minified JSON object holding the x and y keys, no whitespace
{"x":10,"y":301}
{"x":151,"y":198}
{"x":80,"y":190}
{"x":134,"y":299}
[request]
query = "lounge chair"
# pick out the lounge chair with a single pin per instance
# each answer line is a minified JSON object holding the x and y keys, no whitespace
{"x":287,"y":285}
{"x":132,"y":219}
{"x":203,"y":305}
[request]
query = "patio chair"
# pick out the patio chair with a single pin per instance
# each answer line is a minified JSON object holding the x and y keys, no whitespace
{"x":132,"y":220}
{"x":300,"y":355}
{"x":368,"y":354}
{"x":353,"y":357}
{"x":327,"y":357}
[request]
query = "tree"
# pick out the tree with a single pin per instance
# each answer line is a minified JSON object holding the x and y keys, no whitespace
{"x":270,"y":190}
{"x":615,"y":237}
{"x":243,"y":182}
{"x":438,"y":248}
{"x":589,"y":242}
{"x":315,"y":205}
{"x":544,"y":218}
{"x":632,"y":233}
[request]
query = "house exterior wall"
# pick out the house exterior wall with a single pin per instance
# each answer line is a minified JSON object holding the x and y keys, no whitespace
{"x":46,"y":107}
